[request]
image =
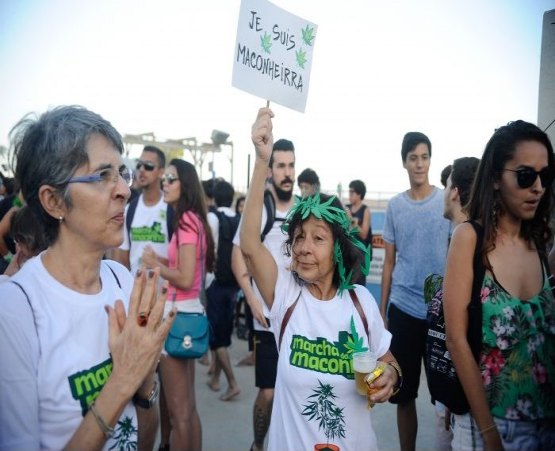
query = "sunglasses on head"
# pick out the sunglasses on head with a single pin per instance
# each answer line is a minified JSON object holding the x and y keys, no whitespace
{"x":526,"y":177}
{"x":145,"y":164}
{"x":169,"y":178}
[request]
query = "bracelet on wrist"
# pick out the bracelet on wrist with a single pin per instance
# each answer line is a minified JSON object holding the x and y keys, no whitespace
{"x":148,"y":402}
{"x":399,"y":372}
{"x":489,"y":428}
{"x":106,"y":430}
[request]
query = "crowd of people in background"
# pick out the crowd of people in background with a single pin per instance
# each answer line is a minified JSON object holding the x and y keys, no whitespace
{"x":98,"y":258}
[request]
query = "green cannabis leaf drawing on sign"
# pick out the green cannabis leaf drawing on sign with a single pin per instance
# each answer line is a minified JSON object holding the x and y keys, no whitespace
{"x":266,"y":42}
{"x":301,"y":58}
{"x":308,"y":35}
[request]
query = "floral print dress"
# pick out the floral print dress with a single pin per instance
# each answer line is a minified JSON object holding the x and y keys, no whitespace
{"x":518,"y":356}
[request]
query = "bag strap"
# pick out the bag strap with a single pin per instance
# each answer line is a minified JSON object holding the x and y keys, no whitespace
{"x":355,"y":300}
{"x":115,"y":276}
{"x":270,"y":205}
{"x":169,"y":221}
{"x":286,"y":318}
{"x":550,"y":277}
{"x":477,"y":263}
{"x":360,"y":311}
{"x":129,"y":217}
{"x":474,"y":334}
{"x":30,"y":305}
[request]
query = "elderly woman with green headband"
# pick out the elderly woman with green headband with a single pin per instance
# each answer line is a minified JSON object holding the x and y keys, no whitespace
{"x":318,"y":316}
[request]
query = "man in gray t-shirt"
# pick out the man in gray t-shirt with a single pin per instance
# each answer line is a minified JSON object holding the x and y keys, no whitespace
{"x":416,"y":238}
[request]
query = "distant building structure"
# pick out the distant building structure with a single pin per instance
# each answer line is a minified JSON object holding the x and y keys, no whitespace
{"x":546,"y":97}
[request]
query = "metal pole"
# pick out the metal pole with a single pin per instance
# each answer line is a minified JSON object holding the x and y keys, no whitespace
{"x":248,"y":170}
{"x":231,"y":144}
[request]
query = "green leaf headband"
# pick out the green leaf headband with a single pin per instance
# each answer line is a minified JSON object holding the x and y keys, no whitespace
{"x":325,"y":211}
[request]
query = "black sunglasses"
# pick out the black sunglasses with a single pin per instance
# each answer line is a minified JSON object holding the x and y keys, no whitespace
{"x":169,"y":178}
{"x":526,"y":177}
{"x":145,"y":164}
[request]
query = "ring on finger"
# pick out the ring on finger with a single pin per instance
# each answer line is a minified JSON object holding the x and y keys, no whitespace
{"x":142,"y":319}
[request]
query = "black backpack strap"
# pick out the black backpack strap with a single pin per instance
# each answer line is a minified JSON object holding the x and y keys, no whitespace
{"x":222,"y":222}
{"x":474,"y":333}
{"x":270,"y":205}
{"x":129,"y":217}
{"x":478,"y":262}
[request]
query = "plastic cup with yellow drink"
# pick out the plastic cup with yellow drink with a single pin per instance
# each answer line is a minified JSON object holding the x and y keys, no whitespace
{"x":366,"y":369}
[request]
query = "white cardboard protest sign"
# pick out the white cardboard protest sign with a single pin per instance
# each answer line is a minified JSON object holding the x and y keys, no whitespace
{"x":273,"y":54}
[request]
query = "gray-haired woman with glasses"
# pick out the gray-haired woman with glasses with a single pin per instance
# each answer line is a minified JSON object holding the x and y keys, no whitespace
{"x":80,"y":338}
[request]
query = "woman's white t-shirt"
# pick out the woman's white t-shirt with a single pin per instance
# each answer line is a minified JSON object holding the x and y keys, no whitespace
{"x":55,"y":359}
{"x":315,"y":399}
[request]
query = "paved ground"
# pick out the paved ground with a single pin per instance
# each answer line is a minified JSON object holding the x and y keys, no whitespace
{"x":228,"y":425}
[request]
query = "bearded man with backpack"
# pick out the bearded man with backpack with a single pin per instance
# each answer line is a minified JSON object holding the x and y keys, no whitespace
{"x":221,"y":294}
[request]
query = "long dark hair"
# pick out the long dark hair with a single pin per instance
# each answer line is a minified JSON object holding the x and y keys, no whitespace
{"x":352,"y":256}
{"x":191,"y":198}
{"x":483,"y":199}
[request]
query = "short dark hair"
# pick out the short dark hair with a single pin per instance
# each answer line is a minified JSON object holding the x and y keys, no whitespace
{"x":208,"y":187}
{"x":411,"y":140}
{"x":159,"y":153}
{"x":238,"y":202}
{"x":60,"y":136}
{"x":223,"y":193}
{"x":25,"y":229}
{"x":358,"y":187}
{"x":445,"y":174}
{"x":308,"y":176}
{"x":462,"y":176}
{"x":281,"y":145}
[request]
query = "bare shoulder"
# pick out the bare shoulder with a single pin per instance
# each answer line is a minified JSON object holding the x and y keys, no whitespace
{"x":464,"y":235}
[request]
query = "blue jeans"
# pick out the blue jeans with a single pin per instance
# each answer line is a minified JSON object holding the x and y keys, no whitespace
{"x":516,"y":435}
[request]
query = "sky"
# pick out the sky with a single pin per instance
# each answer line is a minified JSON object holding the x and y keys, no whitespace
{"x":453,"y":69}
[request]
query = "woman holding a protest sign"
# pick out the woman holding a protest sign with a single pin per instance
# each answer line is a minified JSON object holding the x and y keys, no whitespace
{"x":318,"y":316}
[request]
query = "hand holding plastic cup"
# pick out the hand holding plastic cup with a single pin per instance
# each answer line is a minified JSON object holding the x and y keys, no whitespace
{"x":374,"y":374}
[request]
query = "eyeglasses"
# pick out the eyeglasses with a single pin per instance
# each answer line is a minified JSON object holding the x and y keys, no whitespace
{"x":145,"y":164}
{"x":169,"y":178}
{"x":526,"y":177}
{"x":106,"y":176}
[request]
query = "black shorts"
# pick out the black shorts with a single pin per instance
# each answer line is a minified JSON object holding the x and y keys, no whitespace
{"x":408,"y":346}
{"x":265,"y":359}
{"x":220,"y":310}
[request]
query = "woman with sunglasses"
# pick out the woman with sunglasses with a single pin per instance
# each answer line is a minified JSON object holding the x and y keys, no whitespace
{"x":190,"y":257}
{"x":80,"y":338}
{"x":511,"y":388}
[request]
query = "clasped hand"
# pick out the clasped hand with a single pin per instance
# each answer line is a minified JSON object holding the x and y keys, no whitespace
{"x":136,"y":338}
